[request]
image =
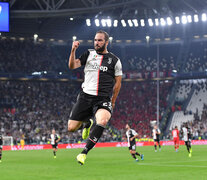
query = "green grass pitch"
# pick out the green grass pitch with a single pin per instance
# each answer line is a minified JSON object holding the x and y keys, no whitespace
{"x":105,"y":164}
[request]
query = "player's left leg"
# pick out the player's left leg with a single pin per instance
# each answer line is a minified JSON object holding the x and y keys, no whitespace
{"x":159,"y":145}
{"x":102,"y":118}
{"x":177,"y":142}
{"x":190,"y":149}
{"x":155,"y":145}
{"x":133,"y":153}
{"x":74,"y":125}
{"x":0,"y":154}
{"x":54,"y":152}
{"x":86,"y":129}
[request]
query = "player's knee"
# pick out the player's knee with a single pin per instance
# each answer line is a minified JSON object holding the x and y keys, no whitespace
{"x":71,"y":129}
{"x":103,"y":122}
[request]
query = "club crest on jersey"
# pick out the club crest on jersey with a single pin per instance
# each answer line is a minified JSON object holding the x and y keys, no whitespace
{"x":110,"y":60}
{"x":94,"y":57}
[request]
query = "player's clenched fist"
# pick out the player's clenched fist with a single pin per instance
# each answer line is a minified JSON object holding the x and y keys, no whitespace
{"x":75,"y":44}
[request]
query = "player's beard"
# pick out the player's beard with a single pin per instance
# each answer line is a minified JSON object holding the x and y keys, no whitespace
{"x":100,"y":49}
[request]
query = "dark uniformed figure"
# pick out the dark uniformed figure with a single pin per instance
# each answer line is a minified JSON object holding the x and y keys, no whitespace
{"x":131,"y":135}
{"x":54,"y":139}
{"x":186,"y":133}
{"x":101,"y":86}
{"x":156,"y":137}
{"x":1,"y":146}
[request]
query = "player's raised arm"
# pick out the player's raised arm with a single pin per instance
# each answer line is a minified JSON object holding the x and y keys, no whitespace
{"x":74,"y":63}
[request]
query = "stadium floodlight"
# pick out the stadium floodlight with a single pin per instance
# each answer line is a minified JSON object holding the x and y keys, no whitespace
{"x":110,"y":38}
{"x":88,"y":22}
{"x":115,"y":23}
{"x":142,"y":22}
{"x":103,"y":22}
{"x":162,"y":22}
{"x":147,"y":38}
{"x":123,"y":23}
{"x":189,"y":18}
{"x":135,"y":22}
{"x":177,"y":20}
{"x":35,"y":36}
{"x":130,"y":23}
{"x":108,"y":22}
{"x":184,"y":19}
{"x":169,"y":21}
{"x":74,"y":38}
{"x":150,"y":22}
{"x":97,"y":23}
{"x":60,"y":73}
{"x":157,"y":22}
{"x":203,"y":17}
{"x":196,"y":18}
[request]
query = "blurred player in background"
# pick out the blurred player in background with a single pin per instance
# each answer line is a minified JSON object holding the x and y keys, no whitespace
{"x":186,"y":132}
{"x":101,"y":86}
{"x":175,"y":135}
{"x":1,"y":146}
{"x":131,"y":136}
{"x":22,"y":142}
{"x":54,"y":139}
{"x":156,"y":136}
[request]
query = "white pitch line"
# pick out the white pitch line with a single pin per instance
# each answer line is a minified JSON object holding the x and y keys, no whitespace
{"x":180,"y":161}
{"x":153,"y":164}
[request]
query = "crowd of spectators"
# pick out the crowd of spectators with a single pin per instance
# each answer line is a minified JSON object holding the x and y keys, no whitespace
{"x":197,"y":59}
{"x":33,"y":108}
{"x":144,"y":59}
{"x":25,"y":56}
{"x":137,"y":105}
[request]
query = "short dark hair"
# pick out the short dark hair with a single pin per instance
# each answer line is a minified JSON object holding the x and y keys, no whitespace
{"x":105,"y":34}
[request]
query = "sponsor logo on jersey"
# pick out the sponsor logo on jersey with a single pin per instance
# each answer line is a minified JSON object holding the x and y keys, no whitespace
{"x":96,"y":66}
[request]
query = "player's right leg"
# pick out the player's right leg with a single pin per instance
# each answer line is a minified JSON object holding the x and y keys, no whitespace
{"x":74,"y":125}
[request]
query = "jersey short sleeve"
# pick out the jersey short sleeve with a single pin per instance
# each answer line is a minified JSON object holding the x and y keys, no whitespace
{"x":83,"y":58}
{"x":118,"y":68}
{"x":134,"y":132}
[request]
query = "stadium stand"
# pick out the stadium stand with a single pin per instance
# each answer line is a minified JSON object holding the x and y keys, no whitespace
{"x":33,"y":108}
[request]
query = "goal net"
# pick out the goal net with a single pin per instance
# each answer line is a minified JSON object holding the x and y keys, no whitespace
{"x":7,"y":140}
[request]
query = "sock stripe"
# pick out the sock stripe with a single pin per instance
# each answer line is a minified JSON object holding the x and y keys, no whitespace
{"x":92,"y":140}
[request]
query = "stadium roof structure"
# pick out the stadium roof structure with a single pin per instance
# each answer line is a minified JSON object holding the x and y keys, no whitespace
{"x":112,"y":8}
{"x":64,"y":18}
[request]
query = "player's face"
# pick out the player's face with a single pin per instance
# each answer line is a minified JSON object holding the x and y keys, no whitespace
{"x":127,"y":126}
{"x":53,"y":131}
{"x":99,"y":42}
